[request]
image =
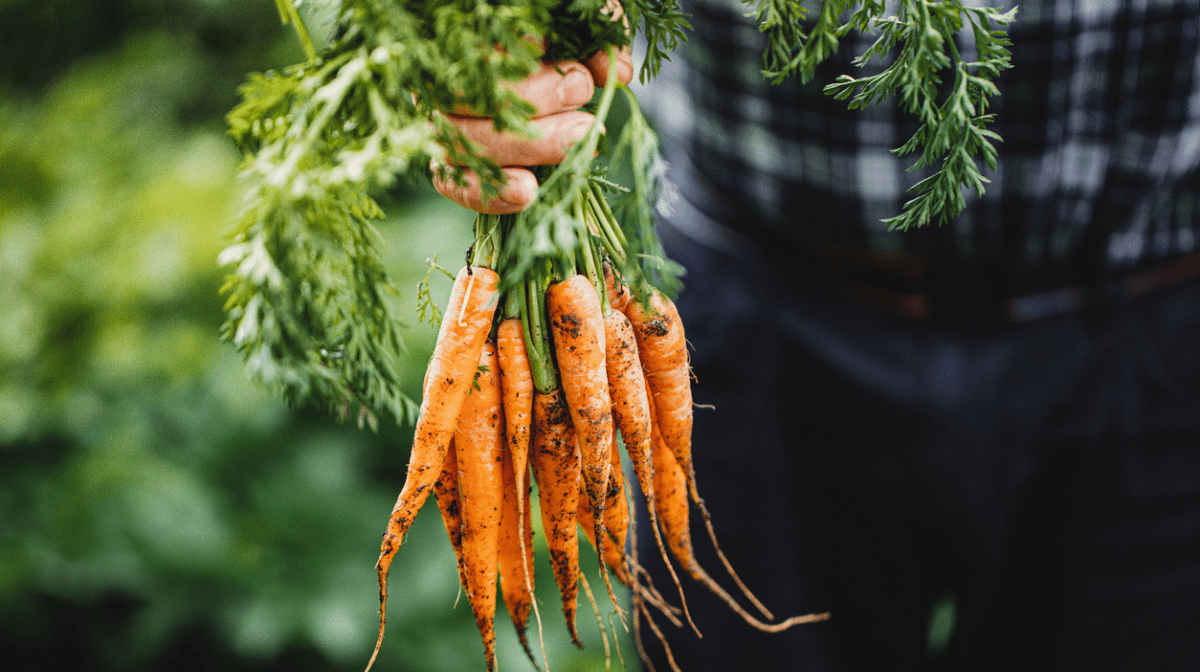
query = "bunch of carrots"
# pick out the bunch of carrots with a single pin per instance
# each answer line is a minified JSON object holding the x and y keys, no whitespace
{"x":542,"y":378}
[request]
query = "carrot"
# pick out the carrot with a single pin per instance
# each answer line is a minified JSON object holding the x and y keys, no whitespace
{"x":516,"y":385}
{"x":450,"y":372}
{"x":616,"y":521}
{"x":616,"y":511}
{"x":663,"y":351}
{"x":632,"y":409}
{"x":445,"y":490}
{"x":577,"y":327}
{"x":479,"y":442}
{"x":556,"y":465}
{"x":613,"y":551}
{"x":618,"y":292}
{"x":516,"y":553}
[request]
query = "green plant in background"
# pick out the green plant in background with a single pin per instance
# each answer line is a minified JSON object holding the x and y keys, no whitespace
{"x":137,"y":504}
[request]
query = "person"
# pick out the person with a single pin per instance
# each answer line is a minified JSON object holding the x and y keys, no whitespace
{"x":978,"y":444}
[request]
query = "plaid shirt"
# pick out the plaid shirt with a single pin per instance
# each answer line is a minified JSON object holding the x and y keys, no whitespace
{"x":1099,"y":168}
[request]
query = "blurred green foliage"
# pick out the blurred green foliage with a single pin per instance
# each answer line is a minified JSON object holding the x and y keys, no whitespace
{"x":157,"y":511}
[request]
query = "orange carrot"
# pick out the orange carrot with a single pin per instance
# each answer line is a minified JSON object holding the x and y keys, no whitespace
{"x":613,"y":551}
{"x":516,"y":553}
{"x":516,"y":384}
{"x":445,"y":490}
{"x":670,"y":495}
{"x":616,"y":521}
{"x":556,"y":465}
{"x":479,"y":442}
{"x":663,"y":351}
{"x":451,"y":370}
{"x":633,"y":410}
{"x":616,"y":511}
{"x":577,"y":327}
{"x":618,"y":292}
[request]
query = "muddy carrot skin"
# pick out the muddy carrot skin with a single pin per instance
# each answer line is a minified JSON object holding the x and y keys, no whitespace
{"x":467,"y":321}
{"x":613,"y":558}
{"x":616,"y":519}
{"x":516,"y":382}
{"x":633,"y":410}
{"x":629,"y":394}
{"x":445,"y":490}
{"x":516,"y":385}
{"x":479,"y":443}
{"x":577,"y":327}
{"x":618,"y":292}
{"x":663,"y":351}
{"x":556,"y":464}
{"x":516,"y":554}
{"x":616,"y":512}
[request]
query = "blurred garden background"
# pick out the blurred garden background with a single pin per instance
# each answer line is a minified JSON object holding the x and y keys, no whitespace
{"x":157,"y":510}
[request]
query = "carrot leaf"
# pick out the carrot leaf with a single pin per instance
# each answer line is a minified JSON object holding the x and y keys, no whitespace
{"x":917,"y":40}
{"x":427,"y":307}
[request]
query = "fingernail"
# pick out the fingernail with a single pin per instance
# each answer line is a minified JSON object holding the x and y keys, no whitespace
{"x":575,"y":133}
{"x":514,"y":194}
{"x":624,"y":71}
{"x":575,"y":89}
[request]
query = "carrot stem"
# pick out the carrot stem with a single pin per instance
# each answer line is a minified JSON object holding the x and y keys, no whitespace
{"x":591,"y":265}
{"x":597,"y":195}
{"x":514,"y":299}
{"x":610,"y":234}
{"x":537,"y":337}
{"x":486,"y":249}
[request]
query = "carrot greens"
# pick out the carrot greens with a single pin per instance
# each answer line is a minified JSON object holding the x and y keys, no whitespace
{"x":307,"y":299}
{"x":953,"y":124}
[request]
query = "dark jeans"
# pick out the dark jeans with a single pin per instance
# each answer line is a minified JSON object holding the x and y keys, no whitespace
{"x":1042,"y":478}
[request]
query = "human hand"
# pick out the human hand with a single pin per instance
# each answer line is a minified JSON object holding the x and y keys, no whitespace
{"x":556,"y":90}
